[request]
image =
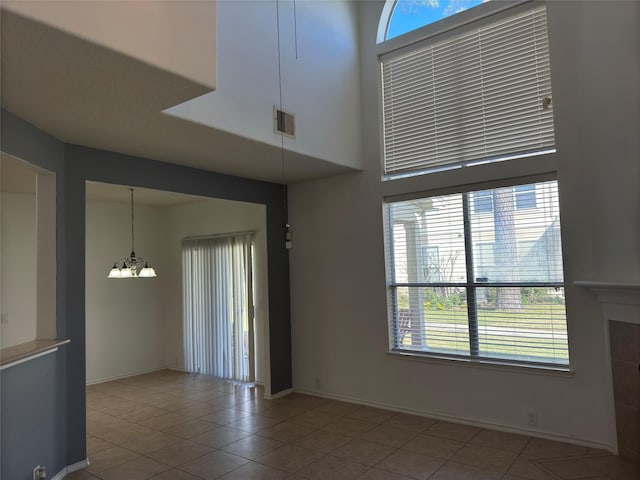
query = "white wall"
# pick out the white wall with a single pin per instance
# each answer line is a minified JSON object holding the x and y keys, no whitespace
{"x":211,"y":217}
{"x":320,"y":86}
{"x":339,"y":316}
{"x":144,"y":30}
{"x":595,"y":48}
{"x":19,"y":268}
{"x":124,"y":318}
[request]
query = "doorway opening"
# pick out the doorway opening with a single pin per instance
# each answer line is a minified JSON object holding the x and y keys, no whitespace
{"x":136,"y":326}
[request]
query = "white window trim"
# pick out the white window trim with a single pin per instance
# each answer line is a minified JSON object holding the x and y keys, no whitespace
{"x":531,"y":366}
{"x":439,"y":148}
{"x":508,"y":172}
{"x":505,"y":366}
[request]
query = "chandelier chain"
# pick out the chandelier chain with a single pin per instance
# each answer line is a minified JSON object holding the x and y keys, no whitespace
{"x":132,"y":266}
{"x":132,"y":237}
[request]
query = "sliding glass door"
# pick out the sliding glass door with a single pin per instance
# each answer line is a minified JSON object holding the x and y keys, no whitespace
{"x":218,"y":306}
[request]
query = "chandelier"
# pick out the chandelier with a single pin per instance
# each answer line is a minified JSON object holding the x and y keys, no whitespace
{"x":132,"y":266}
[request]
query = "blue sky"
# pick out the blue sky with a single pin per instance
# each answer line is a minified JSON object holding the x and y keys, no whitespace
{"x":411,"y":14}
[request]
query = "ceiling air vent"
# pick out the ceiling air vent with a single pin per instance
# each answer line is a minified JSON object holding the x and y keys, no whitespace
{"x":284,"y":122}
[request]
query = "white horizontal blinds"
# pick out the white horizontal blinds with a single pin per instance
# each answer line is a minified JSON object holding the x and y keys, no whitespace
{"x":433,"y":329}
{"x":473,"y":96}
{"x":529,"y":326}
{"x":427,"y":238}
{"x":517,"y":241}
{"x":480,"y":274}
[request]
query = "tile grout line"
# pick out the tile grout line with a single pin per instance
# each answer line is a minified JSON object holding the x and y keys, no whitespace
{"x":248,"y":405}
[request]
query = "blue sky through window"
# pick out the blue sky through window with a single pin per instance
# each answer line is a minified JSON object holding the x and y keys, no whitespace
{"x":409,"y":15}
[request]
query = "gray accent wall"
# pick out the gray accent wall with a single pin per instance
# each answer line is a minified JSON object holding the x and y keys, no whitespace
{"x":33,"y":417}
{"x":33,"y":408}
{"x":62,"y":424}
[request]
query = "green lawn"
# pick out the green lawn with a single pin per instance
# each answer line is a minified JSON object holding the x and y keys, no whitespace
{"x":543,"y":317}
{"x":535,"y":330}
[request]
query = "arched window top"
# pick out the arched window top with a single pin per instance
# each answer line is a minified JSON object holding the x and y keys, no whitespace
{"x":403,"y":16}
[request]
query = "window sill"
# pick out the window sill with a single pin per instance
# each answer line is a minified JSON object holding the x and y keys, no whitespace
{"x":565,"y":372}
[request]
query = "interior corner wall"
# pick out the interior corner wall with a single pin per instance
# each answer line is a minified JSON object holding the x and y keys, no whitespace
{"x":339,"y":312}
{"x":19,"y":268}
{"x":124,"y":318}
{"x":213,"y":217}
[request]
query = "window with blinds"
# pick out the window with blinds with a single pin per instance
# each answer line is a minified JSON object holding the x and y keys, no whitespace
{"x":480,"y":95}
{"x":478,"y":283}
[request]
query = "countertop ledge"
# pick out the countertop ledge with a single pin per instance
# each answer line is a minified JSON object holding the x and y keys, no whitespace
{"x":25,"y":351}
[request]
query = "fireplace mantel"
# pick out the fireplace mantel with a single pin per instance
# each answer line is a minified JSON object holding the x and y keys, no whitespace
{"x":621,"y":314}
{"x":620,"y":301}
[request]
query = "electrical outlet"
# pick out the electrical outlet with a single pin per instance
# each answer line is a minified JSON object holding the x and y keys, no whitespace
{"x":532,"y":419}
{"x":4,"y":317}
{"x":39,"y":473}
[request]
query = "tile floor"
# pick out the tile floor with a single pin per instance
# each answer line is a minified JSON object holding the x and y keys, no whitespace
{"x":174,"y":426}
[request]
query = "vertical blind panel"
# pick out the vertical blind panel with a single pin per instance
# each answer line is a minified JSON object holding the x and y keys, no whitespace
{"x":510,"y":305}
{"x":474,"y":96}
{"x":216,"y":303}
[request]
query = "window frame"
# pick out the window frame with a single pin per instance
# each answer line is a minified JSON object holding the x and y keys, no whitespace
{"x":513,"y":171}
{"x":428,"y":41}
{"x":470,"y":285}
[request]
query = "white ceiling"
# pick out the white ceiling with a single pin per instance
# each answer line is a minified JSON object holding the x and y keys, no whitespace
{"x":104,"y":192}
{"x":85,"y":94}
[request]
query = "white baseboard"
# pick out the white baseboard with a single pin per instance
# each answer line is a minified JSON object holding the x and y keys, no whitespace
{"x":142,"y":372}
{"x":279,"y":394}
{"x":70,"y":469}
{"x":125,"y":375}
{"x":176,"y":369}
{"x":463,"y":420}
